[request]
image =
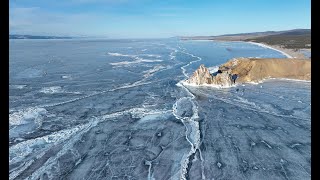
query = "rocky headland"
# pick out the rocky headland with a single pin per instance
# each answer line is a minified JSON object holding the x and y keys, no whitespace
{"x":242,"y":70}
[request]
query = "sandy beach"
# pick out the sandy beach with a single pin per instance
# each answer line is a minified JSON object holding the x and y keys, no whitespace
{"x":289,"y":53}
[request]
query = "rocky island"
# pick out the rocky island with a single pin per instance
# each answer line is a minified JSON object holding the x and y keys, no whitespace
{"x":241,"y":70}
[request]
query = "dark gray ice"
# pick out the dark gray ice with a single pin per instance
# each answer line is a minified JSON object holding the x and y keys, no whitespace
{"x":115,"y":109}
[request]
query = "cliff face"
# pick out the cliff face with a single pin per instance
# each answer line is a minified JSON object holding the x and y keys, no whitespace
{"x":202,"y":76}
{"x":252,"y":70}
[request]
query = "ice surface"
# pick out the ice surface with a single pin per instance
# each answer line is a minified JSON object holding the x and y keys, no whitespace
{"x":51,"y":90}
{"x":17,"y":86}
{"x":25,"y":121}
{"x":138,"y":120}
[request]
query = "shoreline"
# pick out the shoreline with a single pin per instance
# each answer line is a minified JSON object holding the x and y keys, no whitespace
{"x":289,"y":53}
{"x":272,"y":47}
{"x":184,"y":83}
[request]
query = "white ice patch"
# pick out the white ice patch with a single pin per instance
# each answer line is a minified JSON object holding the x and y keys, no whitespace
{"x":20,"y":151}
{"x":26,"y":115}
{"x":17,"y":86}
{"x":213,"y":69}
{"x":137,"y":61}
{"x":25,"y":121}
{"x":275,"y":79}
{"x":55,"y":90}
{"x":254,"y":82}
{"x":245,"y":102}
{"x":143,"y":114}
{"x":136,"y":58}
{"x":183,"y":68}
{"x":200,"y":40}
{"x":220,"y":86}
{"x":128,"y":55}
{"x":119,"y":54}
{"x":153,"y":116}
{"x":172,"y":56}
{"x":150,"y":72}
{"x":287,"y":79}
{"x":151,"y":55}
{"x":66,"y":77}
{"x":70,"y":136}
{"x":184,"y":108}
{"x":52,"y":90}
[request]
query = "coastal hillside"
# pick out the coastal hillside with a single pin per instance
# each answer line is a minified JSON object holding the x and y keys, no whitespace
{"x":244,"y":36}
{"x":253,"y":69}
{"x":18,"y":36}
{"x":286,"y":40}
{"x":242,"y":70}
{"x":291,"y":39}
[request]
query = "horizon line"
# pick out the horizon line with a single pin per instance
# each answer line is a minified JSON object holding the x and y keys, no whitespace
{"x":174,"y":36}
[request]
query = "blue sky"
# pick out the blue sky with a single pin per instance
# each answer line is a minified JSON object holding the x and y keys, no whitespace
{"x":155,"y":18}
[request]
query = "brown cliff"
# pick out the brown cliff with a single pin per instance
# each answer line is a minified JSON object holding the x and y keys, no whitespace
{"x":253,"y":70}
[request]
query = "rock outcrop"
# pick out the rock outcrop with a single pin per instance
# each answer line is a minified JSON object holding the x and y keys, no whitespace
{"x":255,"y":69}
{"x":202,"y":76}
{"x":252,"y":70}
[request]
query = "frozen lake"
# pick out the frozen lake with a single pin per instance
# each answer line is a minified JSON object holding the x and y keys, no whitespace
{"x":114,"y":109}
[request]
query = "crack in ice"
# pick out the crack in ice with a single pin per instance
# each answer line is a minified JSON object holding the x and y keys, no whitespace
{"x":191,"y":124}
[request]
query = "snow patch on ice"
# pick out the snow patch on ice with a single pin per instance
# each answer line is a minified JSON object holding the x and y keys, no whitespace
{"x":143,"y":114}
{"x":119,"y":54}
{"x":151,"y":55}
{"x":55,"y":90}
{"x":66,"y":77}
{"x":155,"y":69}
{"x":52,"y":90}
{"x":137,"y":61}
{"x":208,"y":85}
{"x":19,"y":151}
{"x":17,"y":86}
{"x":26,"y":116}
{"x":25,"y":121}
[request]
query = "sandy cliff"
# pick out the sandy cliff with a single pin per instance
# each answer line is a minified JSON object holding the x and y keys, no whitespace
{"x":253,"y":70}
{"x":202,"y":76}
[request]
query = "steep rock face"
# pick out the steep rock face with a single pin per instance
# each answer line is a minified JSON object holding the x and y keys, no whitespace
{"x":252,"y":70}
{"x":202,"y":76}
{"x":255,"y":69}
{"x":222,"y":79}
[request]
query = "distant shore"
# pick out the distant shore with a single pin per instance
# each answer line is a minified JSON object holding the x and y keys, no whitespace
{"x":276,"y":48}
{"x":289,"y":53}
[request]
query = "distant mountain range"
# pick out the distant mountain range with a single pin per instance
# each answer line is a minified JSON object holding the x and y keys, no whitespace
{"x":243,"y":36}
{"x":291,"y":39}
{"x":18,"y":36}
{"x":286,"y":32}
